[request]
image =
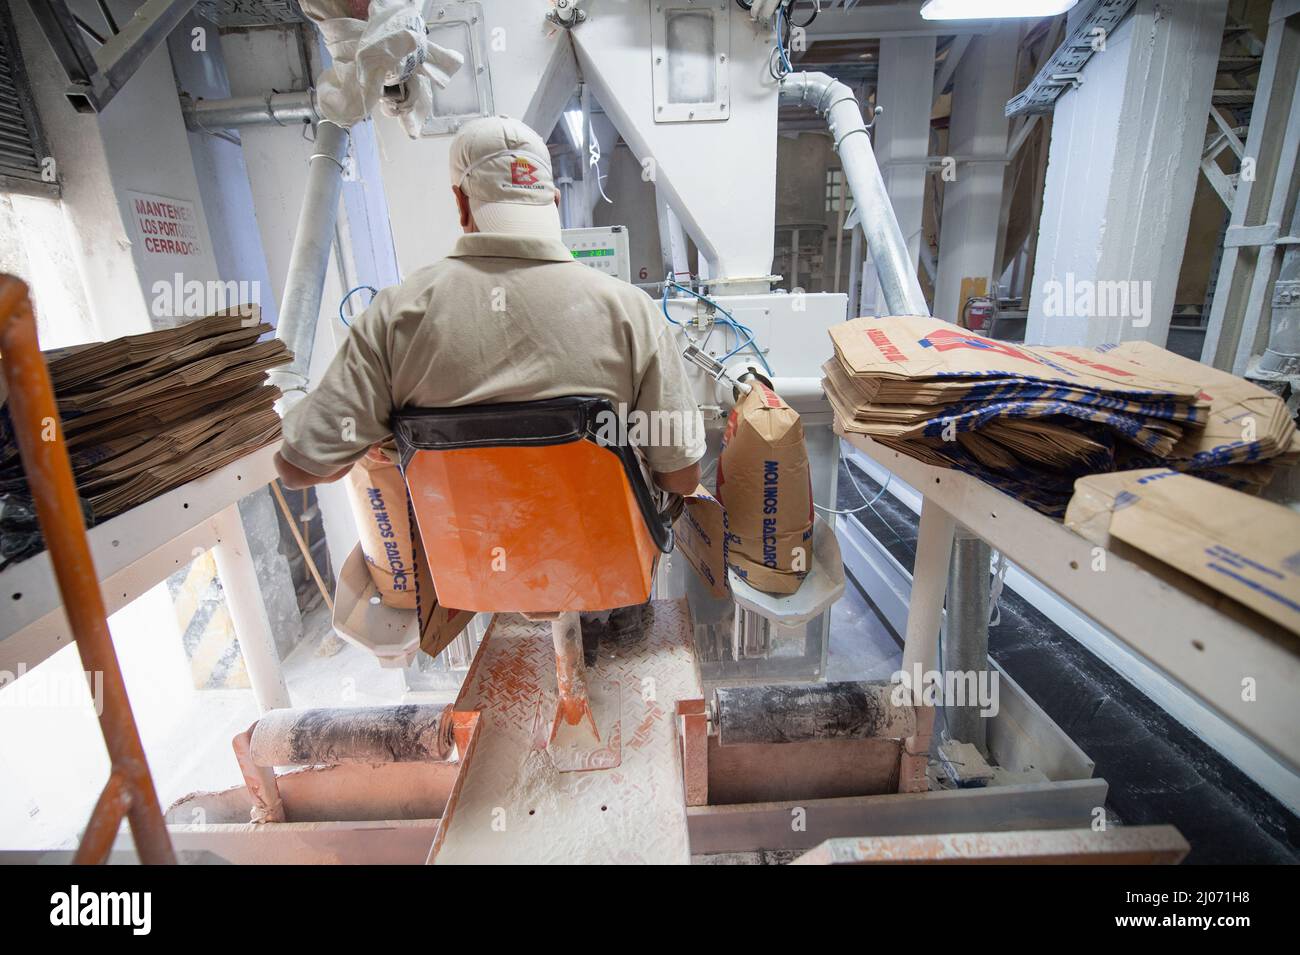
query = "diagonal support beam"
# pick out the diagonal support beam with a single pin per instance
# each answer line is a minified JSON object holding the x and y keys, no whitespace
{"x":97,"y":77}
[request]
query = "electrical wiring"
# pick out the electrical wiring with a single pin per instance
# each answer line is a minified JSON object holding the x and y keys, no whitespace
{"x":995,"y":591}
{"x":817,"y":8}
{"x":730,"y":321}
{"x":778,"y":63}
{"x":724,"y":318}
{"x":857,"y":487}
{"x":352,"y":291}
{"x":782,"y":14}
{"x":664,"y":305}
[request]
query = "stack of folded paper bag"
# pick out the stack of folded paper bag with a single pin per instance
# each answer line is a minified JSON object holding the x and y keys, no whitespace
{"x":146,"y":413}
{"x":1030,"y":420}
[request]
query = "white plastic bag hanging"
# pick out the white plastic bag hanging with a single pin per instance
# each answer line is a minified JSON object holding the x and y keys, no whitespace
{"x":389,"y":49}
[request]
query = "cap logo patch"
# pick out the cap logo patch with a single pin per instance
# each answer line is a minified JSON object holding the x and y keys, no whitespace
{"x":522,"y":172}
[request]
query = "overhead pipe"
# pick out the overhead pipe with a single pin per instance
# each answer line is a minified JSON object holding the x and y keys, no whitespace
{"x":272,"y":109}
{"x":894,"y":267}
{"x":304,"y":286}
{"x":314,"y":236}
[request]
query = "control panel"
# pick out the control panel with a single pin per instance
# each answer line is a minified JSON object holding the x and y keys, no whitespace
{"x":603,"y":248}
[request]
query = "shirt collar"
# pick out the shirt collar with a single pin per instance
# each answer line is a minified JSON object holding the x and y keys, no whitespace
{"x":508,"y":246}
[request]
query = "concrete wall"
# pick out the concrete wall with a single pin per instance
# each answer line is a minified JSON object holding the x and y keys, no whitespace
{"x":100,"y":244}
{"x":147,"y":148}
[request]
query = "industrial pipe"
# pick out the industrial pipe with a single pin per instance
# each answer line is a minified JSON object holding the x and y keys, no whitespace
{"x":300,"y":307}
{"x":273,"y":109}
{"x":894,"y":266}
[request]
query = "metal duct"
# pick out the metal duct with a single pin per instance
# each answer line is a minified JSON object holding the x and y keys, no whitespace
{"x":300,"y":307}
{"x":273,"y":109}
{"x":885,"y":241}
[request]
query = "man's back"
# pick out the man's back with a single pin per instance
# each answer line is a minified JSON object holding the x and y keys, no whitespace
{"x":504,"y":318}
{"x":487,"y":325}
{"x":508,"y":316}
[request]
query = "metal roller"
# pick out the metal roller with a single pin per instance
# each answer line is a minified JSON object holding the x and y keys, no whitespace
{"x":804,"y":712}
{"x":369,"y":734}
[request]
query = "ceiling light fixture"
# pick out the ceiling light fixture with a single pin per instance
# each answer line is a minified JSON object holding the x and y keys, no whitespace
{"x":993,"y":9}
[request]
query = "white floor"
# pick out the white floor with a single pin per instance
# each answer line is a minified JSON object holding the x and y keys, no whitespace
{"x":52,"y":757}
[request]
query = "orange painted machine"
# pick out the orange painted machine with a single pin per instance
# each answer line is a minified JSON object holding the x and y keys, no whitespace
{"x":523,"y":507}
{"x":529,"y":508}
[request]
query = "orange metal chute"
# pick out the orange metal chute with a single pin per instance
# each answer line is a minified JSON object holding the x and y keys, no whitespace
{"x":532,"y":529}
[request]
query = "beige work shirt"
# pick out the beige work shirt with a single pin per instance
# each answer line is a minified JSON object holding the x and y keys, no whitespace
{"x":503,"y":318}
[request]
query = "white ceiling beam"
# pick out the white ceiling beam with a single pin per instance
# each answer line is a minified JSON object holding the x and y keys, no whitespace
{"x":950,"y":64}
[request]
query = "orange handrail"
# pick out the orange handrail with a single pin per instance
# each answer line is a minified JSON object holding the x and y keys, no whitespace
{"x":39,"y":431}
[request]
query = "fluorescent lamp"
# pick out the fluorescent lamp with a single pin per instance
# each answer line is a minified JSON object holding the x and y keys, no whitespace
{"x":993,"y":9}
{"x":573,"y":127}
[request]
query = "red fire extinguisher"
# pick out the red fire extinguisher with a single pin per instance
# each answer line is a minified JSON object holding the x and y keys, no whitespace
{"x":979,"y":313}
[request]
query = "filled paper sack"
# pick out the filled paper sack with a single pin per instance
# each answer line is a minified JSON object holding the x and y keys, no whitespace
{"x":765,"y":489}
{"x":379,"y":504}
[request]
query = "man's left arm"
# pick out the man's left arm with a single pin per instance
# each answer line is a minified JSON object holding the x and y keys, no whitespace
{"x":346,"y":413}
{"x":678,"y":442}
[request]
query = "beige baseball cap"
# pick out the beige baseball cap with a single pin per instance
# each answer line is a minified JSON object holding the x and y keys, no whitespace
{"x":504,"y":168}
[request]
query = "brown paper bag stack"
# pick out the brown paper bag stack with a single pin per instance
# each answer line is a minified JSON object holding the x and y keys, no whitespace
{"x":1246,"y":436}
{"x":1233,"y":551}
{"x":146,"y":413}
{"x":765,"y":490}
{"x":1031,"y":419}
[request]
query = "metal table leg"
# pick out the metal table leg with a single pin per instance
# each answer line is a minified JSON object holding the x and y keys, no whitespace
{"x":243,"y":593}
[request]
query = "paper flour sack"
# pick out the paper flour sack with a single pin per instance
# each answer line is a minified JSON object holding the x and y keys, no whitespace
{"x":379,"y":505}
{"x":765,"y":487}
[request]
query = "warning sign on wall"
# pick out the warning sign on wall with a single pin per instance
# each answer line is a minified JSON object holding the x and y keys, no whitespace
{"x":165,"y":227}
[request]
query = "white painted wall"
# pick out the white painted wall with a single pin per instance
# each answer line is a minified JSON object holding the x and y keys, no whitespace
{"x":148,"y":151}
{"x":101,"y":247}
{"x":35,"y":245}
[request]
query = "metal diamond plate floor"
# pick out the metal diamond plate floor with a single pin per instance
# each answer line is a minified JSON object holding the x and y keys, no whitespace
{"x":514,"y":806}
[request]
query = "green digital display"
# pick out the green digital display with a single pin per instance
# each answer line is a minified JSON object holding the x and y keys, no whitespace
{"x":591,"y":253}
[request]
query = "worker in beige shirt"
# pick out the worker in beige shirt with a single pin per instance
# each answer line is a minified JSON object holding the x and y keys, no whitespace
{"x":508,"y":316}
